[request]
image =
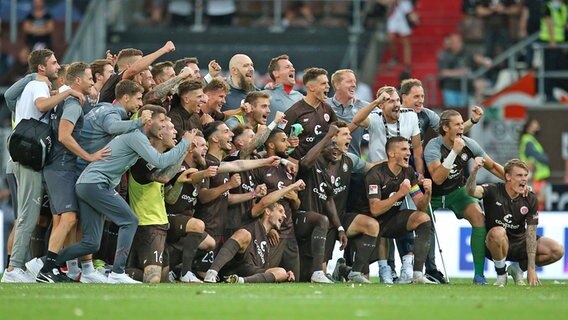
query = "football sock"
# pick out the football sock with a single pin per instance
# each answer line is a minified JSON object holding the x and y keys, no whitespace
{"x":135,"y":273}
{"x":421,"y":245}
{"x":87,"y":267}
{"x":319,"y":235}
{"x":72,"y":267}
{"x":49,"y":262}
{"x":500,"y":266}
{"x":265,"y":277}
{"x":478,"y":248}
{"x":364,"y":246}
{"x":227,"y":252}
{"x":7,"y":262}
{"x":190,"y":243}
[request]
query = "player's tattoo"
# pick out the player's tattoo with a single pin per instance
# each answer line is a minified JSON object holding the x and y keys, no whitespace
{"x":470,"y":184}
{"x":173,"y":193}
{"x":166,"y":174}
{"x":152,"y":272}
{"x":161,"y":91}
{"x":531,"y":246}
{"x":256,"y":142}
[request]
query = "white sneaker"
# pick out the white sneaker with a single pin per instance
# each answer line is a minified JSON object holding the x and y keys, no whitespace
{"x":17,"y":275}
{"x":357,"y":277}
{"x":406,"y":269}
{"x":190,"y":277}
{"x":320,"y":277}
{"x":93,"y":277}
{"x":385,"y":274}
{"x":515,"y":271}
{"x":210,"y":276}
{"x":33,"y":267}
{"x":115,"y":278}
{"x":419,"y":278}
{"x":501,"y":280}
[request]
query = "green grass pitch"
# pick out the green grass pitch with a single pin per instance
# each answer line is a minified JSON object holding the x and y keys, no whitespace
{"x":457,"y":301}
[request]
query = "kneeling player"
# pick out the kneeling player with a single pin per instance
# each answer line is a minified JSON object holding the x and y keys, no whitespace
{"x":507,"y":212}
{"x":244,"y":256}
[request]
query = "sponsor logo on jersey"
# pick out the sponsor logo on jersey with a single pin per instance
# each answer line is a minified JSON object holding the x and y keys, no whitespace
{"x":317,"y":130}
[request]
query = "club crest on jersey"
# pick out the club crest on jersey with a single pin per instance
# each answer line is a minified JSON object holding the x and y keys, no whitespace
{"x":464,"y":156}
{"x":524,"y":210}
{"x":326,"y":117}
{"x":373,"y":189}
{"x":345,"y":167}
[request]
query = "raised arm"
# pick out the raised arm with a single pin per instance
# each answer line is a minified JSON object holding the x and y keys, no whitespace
{"x":147,"y":60}
{"x":440,"y":170}
{"x":361,"y":118}
{"x":161,"y":91}
{"x":114,"y":125}
{"x":495,"y":168}
{"x":471,"y":187}
{"x":244,"y":165}
{"x":313,"y":154}
{"x":274,"y":196}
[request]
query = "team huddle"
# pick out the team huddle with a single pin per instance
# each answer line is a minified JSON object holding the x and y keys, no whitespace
{"x":210,"y":179}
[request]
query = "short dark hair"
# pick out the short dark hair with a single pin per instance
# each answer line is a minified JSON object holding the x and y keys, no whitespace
{"x":127,"y":54}
{"x":189,"y":85}
{"x":392,"y":140}
{"x":128,"y":87}
{"x":156,"y":110}
{"x":211,"y":128}
{"x":408,"y":84}
{"x":37,"y":58}
{"x":340,"y":124}
{"x":217,"y":84}
{"x":239,"y":129}
{"x":273,"y":65}
{"x":159,"y":67}
{"x":181,"y":63}
{"x":312,"y":74}
{"x":75,"y":70}
{"x":272,"y":136}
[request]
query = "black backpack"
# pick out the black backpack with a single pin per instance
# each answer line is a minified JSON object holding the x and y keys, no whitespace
{"x":30,"y":143}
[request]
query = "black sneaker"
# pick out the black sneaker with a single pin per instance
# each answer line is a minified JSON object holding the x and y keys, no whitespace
{"x":339,"y":270}
{"x":53,"y":276}
{"x":436,"y":276}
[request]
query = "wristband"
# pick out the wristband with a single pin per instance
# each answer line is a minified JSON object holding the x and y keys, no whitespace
{"x":449,"y":161}
{"x":284,"y":162}
{"x":340,"y":229}
{"x":272,"y":125}
{"x":473,"y":121}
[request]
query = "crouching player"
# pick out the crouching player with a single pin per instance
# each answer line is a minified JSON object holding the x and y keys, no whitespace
{"x":244,"y":257}
{"x":507,"y":212}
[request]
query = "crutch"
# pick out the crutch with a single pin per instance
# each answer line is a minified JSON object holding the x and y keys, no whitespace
{"x":438,"y":242}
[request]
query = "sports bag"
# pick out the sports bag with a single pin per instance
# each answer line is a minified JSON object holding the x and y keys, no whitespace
{"x":30,"y":142}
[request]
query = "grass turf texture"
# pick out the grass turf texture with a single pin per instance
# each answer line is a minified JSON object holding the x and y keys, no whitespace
{"x":460,"y":300}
